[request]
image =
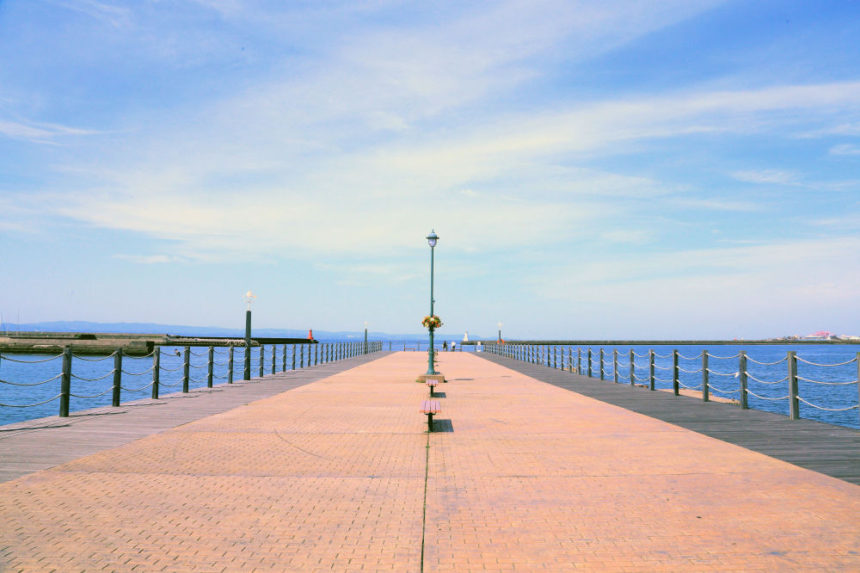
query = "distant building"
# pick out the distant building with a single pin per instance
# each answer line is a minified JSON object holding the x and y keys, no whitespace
{"x":466,"y":337}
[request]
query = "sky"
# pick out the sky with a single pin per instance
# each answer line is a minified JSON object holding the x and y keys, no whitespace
{"x":606,"y":169}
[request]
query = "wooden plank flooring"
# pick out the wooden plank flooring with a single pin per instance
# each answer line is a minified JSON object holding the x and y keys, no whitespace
{"x":825,"y":448}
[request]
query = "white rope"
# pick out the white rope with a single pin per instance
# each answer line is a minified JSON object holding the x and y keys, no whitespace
{"x":33,"y":384}
{"x":93,"y":396}
{"x":828,"y":383}
{"x":720,"y":390}
{"x":30,"y":405}
{"x":696,"y":357}
{"x":76,"y":377}
{"x":828,"y":409}
{"x":79,"y":357}
{"x":147,"y":371}
{"x":767,"y":363}
{"x":766,"y":398}
{"x":6,"y":357}
{"x":799,"y":359}
{"x":733,"y":374}
{"x":136,"y":389}
{"x":750,"y":376}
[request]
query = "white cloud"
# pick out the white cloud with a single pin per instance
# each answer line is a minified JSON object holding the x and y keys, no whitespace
{"x":767,"y":176}
{"x":845,"y":149}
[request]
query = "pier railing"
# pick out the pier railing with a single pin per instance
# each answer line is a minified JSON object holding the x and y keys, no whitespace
{"x":181,"y":367}
{"x":741,"y":379}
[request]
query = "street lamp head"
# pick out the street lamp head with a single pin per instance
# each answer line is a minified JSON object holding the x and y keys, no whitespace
{"x":432,"y":238}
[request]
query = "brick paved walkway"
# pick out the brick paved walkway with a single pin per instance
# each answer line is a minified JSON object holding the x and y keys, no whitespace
{"x":332,"y":476}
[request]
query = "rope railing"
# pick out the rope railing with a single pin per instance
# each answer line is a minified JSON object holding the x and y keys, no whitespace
{"x":31,"y":405}
{"x":696,"y":357}
{"x":848,"y":383}
{"x":713,"y":388}
{"x":76,"y":377}
{"x":760,"y":397}
{"x":92,"y":396}
{"x":615,"y":365}
{"x":854,"y":407}
{"x":799,"y":359}
{"x":136,"y":389}
{"x":174,"y":371}
{"x":99,"y":359}
{"x":767,"y":363}
{"x":39,"y":361}
{"x":141,"y":373}
{"x":760,"y":381}
{"x":9,"y":382}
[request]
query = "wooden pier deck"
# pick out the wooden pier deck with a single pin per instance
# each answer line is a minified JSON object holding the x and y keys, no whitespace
{"x":338,"y":473}
{"x":825,"y":448}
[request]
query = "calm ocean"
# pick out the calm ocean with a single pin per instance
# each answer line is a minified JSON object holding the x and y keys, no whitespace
{"x":31,"y":379}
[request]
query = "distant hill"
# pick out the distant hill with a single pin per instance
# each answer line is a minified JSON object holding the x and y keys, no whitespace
{"x":180,"y":330}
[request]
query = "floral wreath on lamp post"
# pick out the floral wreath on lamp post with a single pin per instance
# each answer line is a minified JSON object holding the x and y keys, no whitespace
{"x":432,"y":322}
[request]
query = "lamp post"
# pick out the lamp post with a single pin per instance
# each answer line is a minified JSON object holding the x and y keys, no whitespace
{"x":500,"y":333}
{"x":432,"y":238}
{"x":249,"y":298}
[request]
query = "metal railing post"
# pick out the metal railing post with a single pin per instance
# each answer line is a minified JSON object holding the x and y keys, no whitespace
{"x":742,"y":373}
{"x":117,"y":377}
{"x":230,"y":366}
{"x":706,"y":378}
{"x":632,"y":368}
{"x":66,"y":383}
{"x":793,"y":402}
{"x":186,"y":369}
{"x":601,"y":364}
{"x":210,"y":367}
{"x":615,"y":365}
{"x":651,"y":369}
{"x":676,"y":389}
{"x":156,"y":372}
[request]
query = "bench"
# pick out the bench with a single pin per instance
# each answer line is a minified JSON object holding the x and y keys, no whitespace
{"x":430,"y":407}
{"x":432,"y":383}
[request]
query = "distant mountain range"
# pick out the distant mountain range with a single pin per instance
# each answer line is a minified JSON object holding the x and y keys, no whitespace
{"x":178,"y":330}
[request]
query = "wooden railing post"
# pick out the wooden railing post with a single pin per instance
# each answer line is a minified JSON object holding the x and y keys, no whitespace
{"x":793,"y":402}
{"x":274,"y":352}
{"x":210,"y":367}
{"x":66,"y":382}
{"x":293,"y":359}
{"x":742,"y":374}
{"x":706,"y":378}
{"x":578,"y":360}
{"x":186,"y":369}
{"x":284,"y":360}
{"x":301,"y":356}
{"x":117,"y":377}
{"x":156,"y":372}
{"x":230,"y":365}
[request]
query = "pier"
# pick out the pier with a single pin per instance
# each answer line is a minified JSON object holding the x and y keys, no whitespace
{"x":331,"y":468}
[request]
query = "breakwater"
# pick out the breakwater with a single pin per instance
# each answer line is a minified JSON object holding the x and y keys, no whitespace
{"x":815,"y":382}
{"x":35,"y":385}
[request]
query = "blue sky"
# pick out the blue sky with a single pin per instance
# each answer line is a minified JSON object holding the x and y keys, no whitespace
{"x":606,"y":169}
